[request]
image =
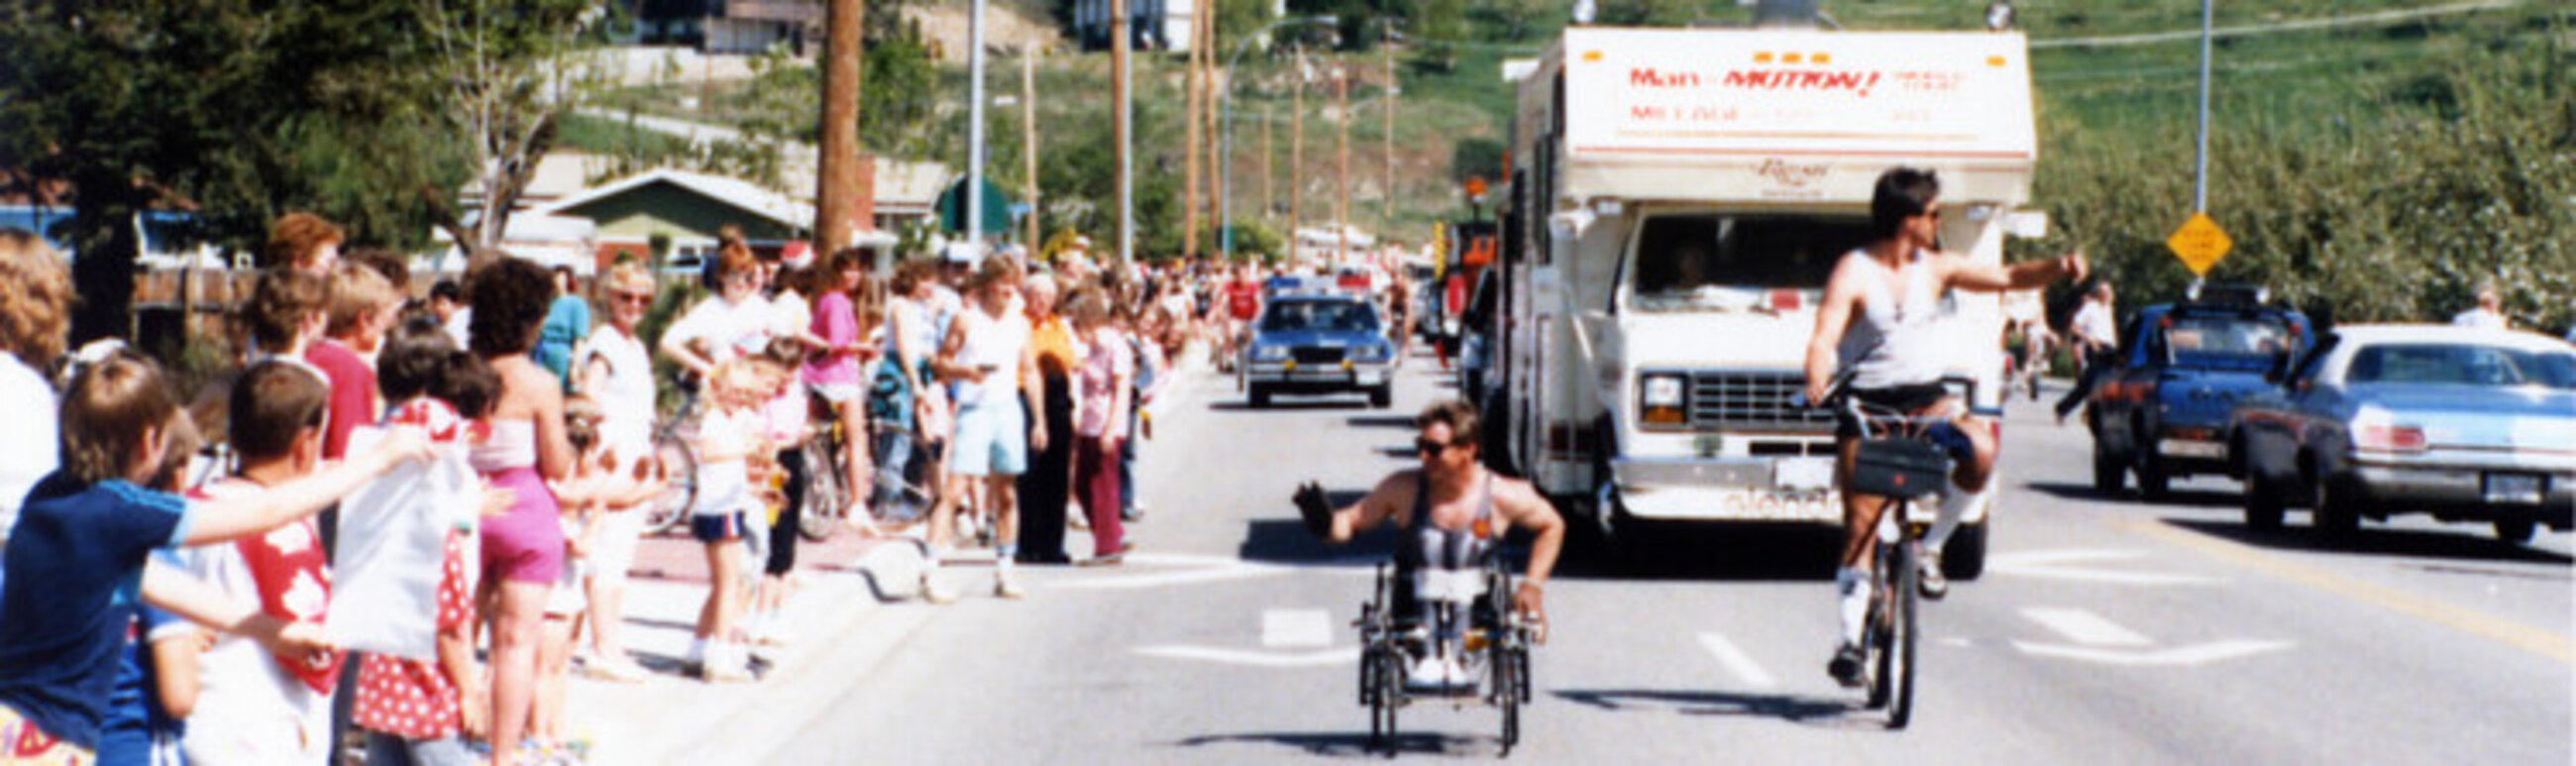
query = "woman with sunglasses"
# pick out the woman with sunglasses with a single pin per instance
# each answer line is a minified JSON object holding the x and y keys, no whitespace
{"x":617,"y":372}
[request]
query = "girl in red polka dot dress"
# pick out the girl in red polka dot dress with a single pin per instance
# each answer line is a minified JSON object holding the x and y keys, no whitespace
{"x":417,"y":712}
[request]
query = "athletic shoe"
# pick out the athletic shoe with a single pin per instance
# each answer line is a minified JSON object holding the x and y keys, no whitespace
{"x":624,"y":672}
{"x":1004,"y":588}
{"x":934,"y":593}
{"x":1846,"y":666}
{"x":1934,"y":584}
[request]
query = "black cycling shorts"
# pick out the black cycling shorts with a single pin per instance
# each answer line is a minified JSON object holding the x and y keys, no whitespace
{"x":1907,"y":399}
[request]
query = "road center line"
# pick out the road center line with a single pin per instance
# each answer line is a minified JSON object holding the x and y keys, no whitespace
{"x":2545,"y":643}
{"x":1736,"y":661}
{"x":2085,"y":627}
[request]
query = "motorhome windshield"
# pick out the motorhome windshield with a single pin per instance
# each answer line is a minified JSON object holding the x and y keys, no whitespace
{"x":1707,"y":260}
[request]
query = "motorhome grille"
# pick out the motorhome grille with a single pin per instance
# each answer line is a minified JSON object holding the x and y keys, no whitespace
{"x":1739,"y":400}
{"x":1315,"y":355}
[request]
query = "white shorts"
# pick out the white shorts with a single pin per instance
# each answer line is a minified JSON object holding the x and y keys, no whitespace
{"x":836,"y":393}
{"x":612,"y":550}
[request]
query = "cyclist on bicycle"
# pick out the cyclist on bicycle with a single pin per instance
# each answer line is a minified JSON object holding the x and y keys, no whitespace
{"x":1452,"y":510}
{"x":1879,"y":319}
{"x":1241,"y":299}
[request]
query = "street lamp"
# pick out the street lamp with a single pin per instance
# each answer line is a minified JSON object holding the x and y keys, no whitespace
{"x":1225,"y":167}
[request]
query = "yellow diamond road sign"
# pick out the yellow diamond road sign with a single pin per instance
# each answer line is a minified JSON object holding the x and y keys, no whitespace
{"x":2199,"y":243}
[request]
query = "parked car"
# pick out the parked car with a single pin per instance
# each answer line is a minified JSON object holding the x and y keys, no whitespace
{"x":2163,"y":413}
{"x":1319,"y":343}
{"x":2375,"y":421}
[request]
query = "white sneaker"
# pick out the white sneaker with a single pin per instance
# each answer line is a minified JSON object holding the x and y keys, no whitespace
{"x":1004,"y":588}
{"x":935,"y":593}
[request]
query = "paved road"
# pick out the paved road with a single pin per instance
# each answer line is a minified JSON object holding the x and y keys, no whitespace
{"x":2106,"y":631}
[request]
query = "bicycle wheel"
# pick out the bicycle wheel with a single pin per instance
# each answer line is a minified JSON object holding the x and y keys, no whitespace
{"x":826,"y":505}
{"x":680,"y":474}
{"x":1900,"y":653}
{"x":1881,"y":631}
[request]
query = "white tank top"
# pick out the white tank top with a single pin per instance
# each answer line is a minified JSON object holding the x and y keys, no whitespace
{"x":1890,"y":342}
{"x":513,"y":444}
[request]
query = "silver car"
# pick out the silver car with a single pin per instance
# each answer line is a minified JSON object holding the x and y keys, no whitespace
{"x":2375,"y":421}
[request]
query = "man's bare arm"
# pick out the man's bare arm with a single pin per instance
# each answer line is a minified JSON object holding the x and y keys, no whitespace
{"x":1987,"y":278}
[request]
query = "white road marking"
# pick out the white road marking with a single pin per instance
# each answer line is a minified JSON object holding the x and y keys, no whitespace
{"x":2061,"y":564}
{"x":1296,"y":628}
{"x":2085,"y":628}
{"x":1320,"y":657}
{"x":1737,"y":661}
{"x":1184,"y":577}
{"x":2187,"y":655}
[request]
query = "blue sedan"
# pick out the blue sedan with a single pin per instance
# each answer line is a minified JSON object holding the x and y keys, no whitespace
{"x":2375,"y":421}
{"x":1318,"y":343}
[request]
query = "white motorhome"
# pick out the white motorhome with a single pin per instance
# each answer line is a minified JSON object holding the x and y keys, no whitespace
{"x":1679,"y":197}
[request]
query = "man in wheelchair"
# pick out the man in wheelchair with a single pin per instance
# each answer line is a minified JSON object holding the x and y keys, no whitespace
{"x":1452,"y":514}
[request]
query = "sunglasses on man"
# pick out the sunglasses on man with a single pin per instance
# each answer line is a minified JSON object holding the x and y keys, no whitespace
{"x":1428,"y":444}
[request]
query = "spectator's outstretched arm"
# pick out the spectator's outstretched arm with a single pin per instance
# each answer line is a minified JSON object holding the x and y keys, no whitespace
{"x":216,"y":521}
{"x":178,"y":593}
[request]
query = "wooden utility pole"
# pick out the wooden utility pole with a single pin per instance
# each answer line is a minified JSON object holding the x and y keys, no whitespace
{"x":1342,"y":178}
{"x":1190,"y":185}
{"x":836,"y":185}
{"x":1269,"y":175}
{"x":1297,"y":155}
{"x":1386,"y":209}
{"x":1206,"y":30}
{"x":1029,"y":138}
{"x":1120,"y":129}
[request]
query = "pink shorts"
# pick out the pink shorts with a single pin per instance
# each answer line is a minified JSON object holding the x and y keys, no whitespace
{"x":525,"y":545}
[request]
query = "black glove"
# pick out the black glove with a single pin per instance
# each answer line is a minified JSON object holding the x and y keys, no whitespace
{"x":1317,"y":510}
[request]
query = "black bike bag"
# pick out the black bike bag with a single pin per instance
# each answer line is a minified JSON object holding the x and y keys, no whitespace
{"x":1906,"y":468}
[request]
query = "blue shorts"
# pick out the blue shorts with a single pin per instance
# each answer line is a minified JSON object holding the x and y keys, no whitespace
{"x":716,"y":528}
{"x":992,"y":440}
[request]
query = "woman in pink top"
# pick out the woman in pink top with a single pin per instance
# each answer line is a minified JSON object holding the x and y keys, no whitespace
{"x":1101,"y":386}
{"x":523,"y":549}
{"x":833,"y":370}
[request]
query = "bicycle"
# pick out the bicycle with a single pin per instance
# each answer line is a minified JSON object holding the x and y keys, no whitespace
{"x":827,"y":503}
{"x":1901,"y":467}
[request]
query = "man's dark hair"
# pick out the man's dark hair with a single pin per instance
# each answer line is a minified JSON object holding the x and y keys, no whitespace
{"x":272,"y":403}
{"x":1465,"y":427}
{"x":447,"y":289}
{"x":510,"y":297}
{"x":1901,"y":193}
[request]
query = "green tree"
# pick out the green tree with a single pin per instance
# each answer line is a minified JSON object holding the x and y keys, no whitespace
{"x":222,"y":107}
{"x":508,"y":70}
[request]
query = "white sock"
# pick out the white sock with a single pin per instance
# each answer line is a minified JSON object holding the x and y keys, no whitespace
{"x":1954,"y":506}
{"x":1853,"y":584}
{"x":1003,"y":560}
{"x":697,"y":649}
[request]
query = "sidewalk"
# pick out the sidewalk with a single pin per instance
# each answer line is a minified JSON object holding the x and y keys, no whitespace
{"x":838,"y":584}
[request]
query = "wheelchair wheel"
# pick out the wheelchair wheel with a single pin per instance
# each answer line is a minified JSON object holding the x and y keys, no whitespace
{"x":1382,"y":713}
{"x":1507,"y":691}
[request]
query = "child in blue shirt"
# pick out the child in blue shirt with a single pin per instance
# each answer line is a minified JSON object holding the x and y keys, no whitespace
{"x":76,"y":560}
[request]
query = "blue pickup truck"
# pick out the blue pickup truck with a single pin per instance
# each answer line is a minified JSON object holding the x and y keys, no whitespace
{"x":2164,"y":412}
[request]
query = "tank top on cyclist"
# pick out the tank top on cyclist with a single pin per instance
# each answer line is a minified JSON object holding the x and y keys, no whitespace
{"x":1890,"y":342}
{"x":513,"y":444}
{"x":1428,"y":545}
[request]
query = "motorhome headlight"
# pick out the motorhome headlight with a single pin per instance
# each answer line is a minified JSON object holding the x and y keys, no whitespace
{"x":1265,"y":353}
{"x":1662,"y":400}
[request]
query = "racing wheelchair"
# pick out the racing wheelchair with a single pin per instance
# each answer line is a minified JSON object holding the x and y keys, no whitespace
{"x":1443,"y":637}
